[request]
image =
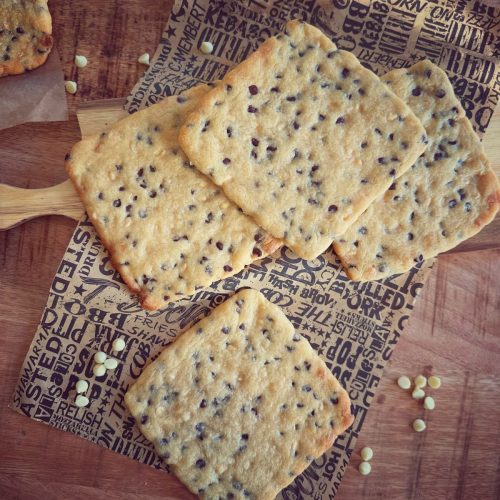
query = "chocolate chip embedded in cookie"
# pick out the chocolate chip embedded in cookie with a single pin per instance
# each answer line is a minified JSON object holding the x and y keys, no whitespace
{"x":25,"y":35}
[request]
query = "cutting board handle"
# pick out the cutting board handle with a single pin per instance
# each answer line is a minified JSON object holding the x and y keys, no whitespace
{"x":18,"y":205}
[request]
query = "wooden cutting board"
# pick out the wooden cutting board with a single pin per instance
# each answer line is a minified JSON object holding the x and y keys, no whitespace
{"x":20,"y":205}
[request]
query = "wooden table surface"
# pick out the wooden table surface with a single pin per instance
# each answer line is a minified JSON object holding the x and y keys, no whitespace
{"x":454,"y":330}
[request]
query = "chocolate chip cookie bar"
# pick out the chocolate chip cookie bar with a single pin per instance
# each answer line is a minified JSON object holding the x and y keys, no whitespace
{"x":447,"y":196}
{"x":240,"y":404}
{"x":25,"y":35}
{"x":168,"y":228}
{"x":302,"y":137}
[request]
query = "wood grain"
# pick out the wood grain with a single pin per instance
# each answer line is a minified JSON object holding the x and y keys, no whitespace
{"x":454,"y":330}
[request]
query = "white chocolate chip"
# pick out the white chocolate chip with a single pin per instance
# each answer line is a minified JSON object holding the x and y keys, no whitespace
{"x":404,"y":382}
{"x":100,"y":357}
{"x":418,"y":394}
{"x":144,"y":59}
{"x":110,"y":364}
{"x":366,"y":453}
{"x":99,"y":370}
{"x":420,"y":381}
{"x":118,"y":344}
{"x":81,"y":401}
{"x":207,"y":47}
{"x":70,"y":86}
{"x":81,"y":386}
{"x":419,"y":425}
{"x":80,"y":61}
{"x":434,"y":382}
{"x":364,"y":468}
{"x":429,"y":403}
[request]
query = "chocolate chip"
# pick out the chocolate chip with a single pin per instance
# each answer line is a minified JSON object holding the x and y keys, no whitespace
{"x":440,"y":93}
{"x":332,"y":208}
{"x":404,"y":145}
{"x":227,"y":268}
{"x":144,"y":419}
{"x":119,"y":168}
{"x":452,"y":203}
{"x":219,"y":245}
{"x":20,"y":30}
{"x":291,"y":98}
{"x":117,"y":203}
{"x":257,"y":251}
{"x":392,"y":173}
{"x":363,"y":145}
{"x":252,"y":109}
{"x":468,"y":206}
{"x":410,"y":236}
{"x":378,"y":131}
{"x":340,"y":120}
{"x":253,"y":89}
{"x":381,"y":160}
{"x":416,"y":91}
{"x":428,"y":73}
{"x":229,"y":88}
{"x":275,"y":89}
{"x":334,"y":400}
{"x":200,"y":463}
{"x":226,"y":161}
{"x":362,"y":230}
{"x":345,"y":73}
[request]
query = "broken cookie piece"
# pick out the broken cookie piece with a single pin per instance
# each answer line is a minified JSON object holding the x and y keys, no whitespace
{"x":240,"y":404}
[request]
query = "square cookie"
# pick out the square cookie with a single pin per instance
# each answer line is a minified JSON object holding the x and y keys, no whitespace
{"x":240,"y":404}
{"x":302,"y":137}
{"x":168,"y":228}
{"x":447,"y":196}
{"x":25,"y":35}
